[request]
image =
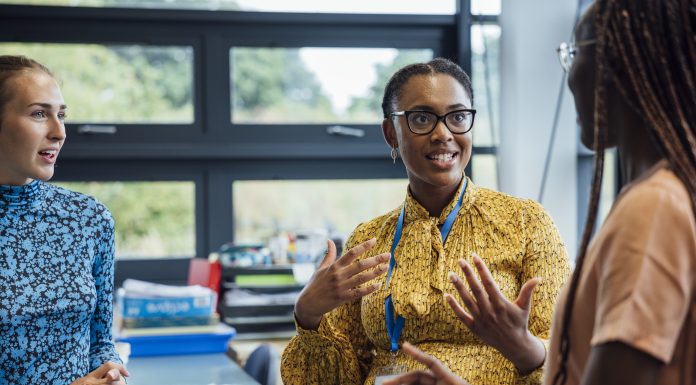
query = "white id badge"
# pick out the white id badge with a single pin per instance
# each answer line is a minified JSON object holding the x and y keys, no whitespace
{"x":388,"y":372}
{"x":379,"y":380}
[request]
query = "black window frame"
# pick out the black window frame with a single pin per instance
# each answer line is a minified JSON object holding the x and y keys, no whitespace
{"x":213,"y":151}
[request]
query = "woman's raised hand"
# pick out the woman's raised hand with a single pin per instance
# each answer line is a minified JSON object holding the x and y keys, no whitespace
{"x":497,"y":321}
{"x":438,"y":374}
{"x":337,"y":282}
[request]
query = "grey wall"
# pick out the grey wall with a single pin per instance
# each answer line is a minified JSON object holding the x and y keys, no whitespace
{"x":530,"y":81}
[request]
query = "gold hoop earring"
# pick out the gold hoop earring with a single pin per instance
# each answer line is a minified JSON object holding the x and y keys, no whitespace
{"x":394,"y":154}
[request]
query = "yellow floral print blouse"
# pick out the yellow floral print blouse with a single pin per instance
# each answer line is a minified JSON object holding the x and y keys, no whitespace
{"x":517,"y":240}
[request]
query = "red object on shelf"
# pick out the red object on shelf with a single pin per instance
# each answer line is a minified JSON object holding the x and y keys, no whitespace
{"x":205,"y":273}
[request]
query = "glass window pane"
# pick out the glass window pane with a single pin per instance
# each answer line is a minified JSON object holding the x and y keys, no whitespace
{"x":152,"y":219}
{"x":485,"y":7}
{"x":119,"y":83}
{"x":440,"y":7}
{"x":262,"y":208}
{"x":485,"y":171}
{"x":309,"y":85}
{"x":485,"y":47}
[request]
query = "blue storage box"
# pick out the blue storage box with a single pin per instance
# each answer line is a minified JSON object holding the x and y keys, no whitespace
{"x":156,"y":307}
{"x":166,"y":345}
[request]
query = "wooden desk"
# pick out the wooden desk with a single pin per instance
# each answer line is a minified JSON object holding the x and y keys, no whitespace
{"x":199,"y":369}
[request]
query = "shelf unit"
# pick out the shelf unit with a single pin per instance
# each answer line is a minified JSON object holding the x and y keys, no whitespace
{"x":267,"y":318}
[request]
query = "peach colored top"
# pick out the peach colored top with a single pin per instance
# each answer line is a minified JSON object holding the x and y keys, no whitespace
{"x":638,"y":282}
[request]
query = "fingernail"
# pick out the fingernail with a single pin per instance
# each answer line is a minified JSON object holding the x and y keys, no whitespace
{"x":452,"y":276}
{"x":372,"y":241}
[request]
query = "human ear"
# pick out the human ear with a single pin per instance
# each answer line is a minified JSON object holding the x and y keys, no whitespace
{"x":389,"y":132}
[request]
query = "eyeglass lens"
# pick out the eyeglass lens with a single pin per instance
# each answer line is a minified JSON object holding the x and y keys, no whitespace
{"x":456,"y":121}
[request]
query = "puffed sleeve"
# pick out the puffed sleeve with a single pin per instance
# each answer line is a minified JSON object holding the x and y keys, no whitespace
{"x":101,"y":346}
{"x":338,"y":352}
{"x":546,"y":258}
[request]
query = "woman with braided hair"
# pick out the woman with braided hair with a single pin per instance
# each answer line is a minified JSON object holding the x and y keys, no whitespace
{"x":628,"y":314}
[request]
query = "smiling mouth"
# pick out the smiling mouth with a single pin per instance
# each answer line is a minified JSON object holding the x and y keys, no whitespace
{"x":444,"y":158}
{"x":49,"y":154}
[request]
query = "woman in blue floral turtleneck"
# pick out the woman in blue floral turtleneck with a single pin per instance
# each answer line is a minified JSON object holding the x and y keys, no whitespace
{"x":56,"y":247}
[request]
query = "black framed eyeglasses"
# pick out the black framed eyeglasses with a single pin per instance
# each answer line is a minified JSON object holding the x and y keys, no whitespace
{"x":424,"y":122}
{"x":567,"y":51}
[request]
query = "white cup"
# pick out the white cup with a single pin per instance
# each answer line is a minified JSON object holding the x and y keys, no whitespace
{"x":123,"y":349}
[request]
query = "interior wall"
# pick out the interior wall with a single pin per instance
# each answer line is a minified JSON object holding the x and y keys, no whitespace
{"x":530,"y":81}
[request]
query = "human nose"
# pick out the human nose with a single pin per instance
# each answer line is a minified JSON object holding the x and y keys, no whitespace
{"x":441,"y":133}
{"x":56,"y":130}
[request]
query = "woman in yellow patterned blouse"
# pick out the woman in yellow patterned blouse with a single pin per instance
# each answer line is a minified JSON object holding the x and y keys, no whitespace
{"x":356,"y":310}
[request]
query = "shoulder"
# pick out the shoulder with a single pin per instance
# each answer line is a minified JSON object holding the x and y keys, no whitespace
{"x":662,"y":194}
{"x":652,"y":217}
{"x":79,"y":205}
{"x":518,"y":217}
{"x":509,"y":207}
{"x":663,"y":187}
{"x":372,"y":228}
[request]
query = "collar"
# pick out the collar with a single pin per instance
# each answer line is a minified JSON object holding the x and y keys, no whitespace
{"x":415,"y":211}
{"x":24,"y":195}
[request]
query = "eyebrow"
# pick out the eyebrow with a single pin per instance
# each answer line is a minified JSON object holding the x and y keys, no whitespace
{"x":429,"y":108}
{"x":48,"y":106}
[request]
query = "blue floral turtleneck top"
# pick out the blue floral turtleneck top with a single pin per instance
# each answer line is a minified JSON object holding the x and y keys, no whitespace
{"x":56,"y":285}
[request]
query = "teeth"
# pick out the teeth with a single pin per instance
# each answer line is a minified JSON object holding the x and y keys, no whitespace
{"x":443,"y":157}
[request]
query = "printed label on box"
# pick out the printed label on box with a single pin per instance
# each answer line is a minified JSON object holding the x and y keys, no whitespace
{"x":167,"y":307}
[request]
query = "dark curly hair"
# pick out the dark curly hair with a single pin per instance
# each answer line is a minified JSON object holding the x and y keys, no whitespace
{"x":438,"y":65}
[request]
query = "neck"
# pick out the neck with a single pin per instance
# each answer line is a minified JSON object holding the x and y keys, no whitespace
{"x":637,"y":154}
{"x":10,"y":178}
{"x":14,"y":182}
{"x":433,"y":198}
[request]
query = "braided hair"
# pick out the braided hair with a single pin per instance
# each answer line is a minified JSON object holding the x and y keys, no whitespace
{"x":436,"y":66}
{"x":11,"y":66}
{"x":647,"y":50}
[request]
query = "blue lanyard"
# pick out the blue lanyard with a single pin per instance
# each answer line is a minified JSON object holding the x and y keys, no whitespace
{"x":395,"y":326}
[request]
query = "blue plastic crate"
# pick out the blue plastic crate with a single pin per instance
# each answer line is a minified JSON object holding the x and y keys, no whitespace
{"x":175,"y":344}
